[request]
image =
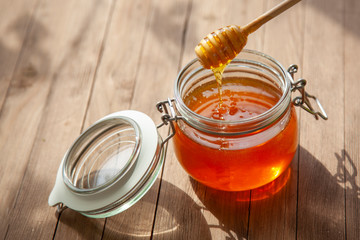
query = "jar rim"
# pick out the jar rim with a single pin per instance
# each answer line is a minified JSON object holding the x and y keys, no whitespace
{"x":80,"y":153}
{"x":246,"y":125}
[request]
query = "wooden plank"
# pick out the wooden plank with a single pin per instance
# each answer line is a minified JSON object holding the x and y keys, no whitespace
{"x":137,"y":221}
{"x":113,"y":91}
{"x":154,"y":80}
{"x":275,"y":216}
{"x":160,"y":57}
{"x":62,"y":51}
{"x":116,"y":76}
{"x":200,"y":212}
{"x":53,"y":82}
{"x":14,"y":25}
{"x":350,"y":157}
{"x":15,"y":21}
{"x":321,"y":197}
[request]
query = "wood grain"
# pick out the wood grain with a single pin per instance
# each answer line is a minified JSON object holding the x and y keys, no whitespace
{"x":158,"y":69}
{"x":65,"y":64}
{"x":13,"y":31}
{"x":62,"y":52}
{"x":203,"y":213}
{"x":24,"y":98}
{"x":114,"y":90}
{"x":349,"y":158}
{"x":116,"y":76}
{"x":275,"y":216}
{"x":321,"y":197}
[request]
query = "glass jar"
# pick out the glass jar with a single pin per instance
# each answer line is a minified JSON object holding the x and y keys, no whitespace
{"x":114,"y":162}
{"x":241,"y":154}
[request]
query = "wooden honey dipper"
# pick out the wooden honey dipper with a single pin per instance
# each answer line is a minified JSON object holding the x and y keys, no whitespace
{"x":220,"y":47}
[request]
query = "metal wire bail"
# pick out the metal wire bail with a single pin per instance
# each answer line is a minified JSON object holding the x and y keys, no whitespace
{"x":303,"y":101}
{"x":167,"y":116}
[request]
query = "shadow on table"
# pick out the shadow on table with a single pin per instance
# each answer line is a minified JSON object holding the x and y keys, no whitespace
{"x":231,"y":214}
{"x":23,"y":60}
{"x":233,"y":209}
{"x":335,"y":11}
{"x":174,"y":219}
{"x":178,"y":216}
{"x":347,"y":172}
{"x":274,"y":206}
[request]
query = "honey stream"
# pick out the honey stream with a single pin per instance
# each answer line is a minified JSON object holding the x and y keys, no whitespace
{"x":218,"y":72}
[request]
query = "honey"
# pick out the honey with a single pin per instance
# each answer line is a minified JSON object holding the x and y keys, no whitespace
{"x":232,"y":99}
{"x":218,"y":71}
{"x":226,"y":162}
{"x":243,"y":143}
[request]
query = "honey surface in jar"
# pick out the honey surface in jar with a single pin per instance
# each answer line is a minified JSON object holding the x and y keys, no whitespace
{"x":241,"y":98}
{"x":241,"y":161}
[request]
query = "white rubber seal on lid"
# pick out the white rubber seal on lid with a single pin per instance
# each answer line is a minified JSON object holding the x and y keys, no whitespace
{"x":121,"y":188}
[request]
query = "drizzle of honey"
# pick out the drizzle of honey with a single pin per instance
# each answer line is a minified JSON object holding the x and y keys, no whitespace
{"x":218,"y":72}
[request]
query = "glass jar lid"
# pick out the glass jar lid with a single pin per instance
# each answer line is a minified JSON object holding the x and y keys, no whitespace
{"x":110,"y":166}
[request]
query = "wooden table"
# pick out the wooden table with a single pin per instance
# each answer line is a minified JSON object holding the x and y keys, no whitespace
{"x":65,"y":64}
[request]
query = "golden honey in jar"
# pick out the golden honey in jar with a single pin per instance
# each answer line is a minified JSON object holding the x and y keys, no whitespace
{"x":248,"y":139}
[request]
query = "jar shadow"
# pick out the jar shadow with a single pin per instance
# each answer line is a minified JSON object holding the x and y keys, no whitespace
{"x":347,"y":173}
{"x":285,"y":201}
{"x":146,"y":219}
{"x":169,"y":222}
{"x":293,"y":200}
{"x":233,"y":209}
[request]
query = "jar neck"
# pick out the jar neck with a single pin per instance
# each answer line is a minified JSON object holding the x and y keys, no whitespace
{"x":250,"y":64}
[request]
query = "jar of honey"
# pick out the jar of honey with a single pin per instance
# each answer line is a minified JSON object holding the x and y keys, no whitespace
{"x":233,"y":136}
{"x":248,"y":140}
